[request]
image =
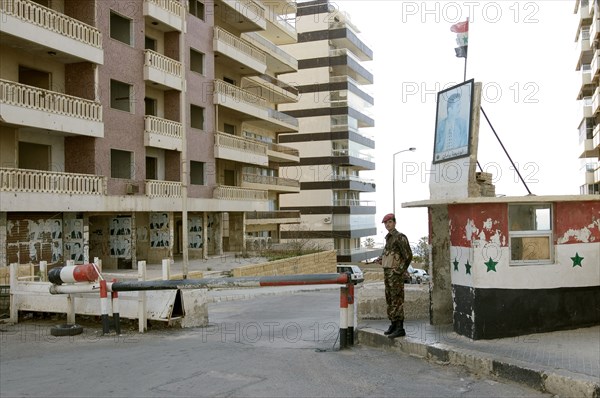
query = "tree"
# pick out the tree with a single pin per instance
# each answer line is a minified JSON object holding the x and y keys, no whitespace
{"x":421,"y":251}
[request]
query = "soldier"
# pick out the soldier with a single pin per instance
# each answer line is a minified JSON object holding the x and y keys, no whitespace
{"x":395,"y":259}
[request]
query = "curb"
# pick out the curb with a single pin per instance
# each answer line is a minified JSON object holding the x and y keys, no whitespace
{"x":555,"y":381}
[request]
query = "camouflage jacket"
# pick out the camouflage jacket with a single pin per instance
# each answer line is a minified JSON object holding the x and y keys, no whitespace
{"x":397,"y":253}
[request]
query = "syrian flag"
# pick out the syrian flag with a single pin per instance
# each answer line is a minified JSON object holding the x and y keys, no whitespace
{"x":462,"y":38}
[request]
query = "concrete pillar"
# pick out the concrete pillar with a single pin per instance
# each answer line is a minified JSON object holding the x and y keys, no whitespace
{"x":3,"y":235}
{"x":205,"y":235}
{"x":218,"y":231}
{"x":441,"y":309}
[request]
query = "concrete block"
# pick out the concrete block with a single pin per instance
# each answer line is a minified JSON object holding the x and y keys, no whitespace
{"x":371,"y":301}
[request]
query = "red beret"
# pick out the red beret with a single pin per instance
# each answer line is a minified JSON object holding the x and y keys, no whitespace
{"x":389,"y":217}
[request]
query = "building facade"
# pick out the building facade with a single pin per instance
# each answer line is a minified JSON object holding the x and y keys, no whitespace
{"x":143,"y":130}
{"x":333,"y":140}
{"x":587,"y":38}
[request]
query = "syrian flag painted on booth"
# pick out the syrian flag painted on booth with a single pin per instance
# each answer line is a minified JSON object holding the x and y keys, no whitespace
{"x":462,"y":38}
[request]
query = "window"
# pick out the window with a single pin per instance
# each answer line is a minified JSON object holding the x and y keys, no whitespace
{"x":196,"y":173}
{"x":149,"y":43}
{"x":121,"y":164}
{"x":530,"y":233}
{"x":150,"y":105}
{"x":151,"y":168}
{"x":120,"y":28}
{"x":120,"y":96}
{"x":229,"y":128}
{"x":197,"y":9}
{"x":196,"y":61}
{"x":197,"y":115}
{"x":34,"y":156}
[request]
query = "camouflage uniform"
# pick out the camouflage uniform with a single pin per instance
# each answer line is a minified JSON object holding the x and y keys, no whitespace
{"x":395,"y":259}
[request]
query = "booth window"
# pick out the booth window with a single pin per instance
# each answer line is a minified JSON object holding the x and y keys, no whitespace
{"x":530,"y":234}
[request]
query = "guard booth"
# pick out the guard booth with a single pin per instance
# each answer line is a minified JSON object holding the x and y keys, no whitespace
{"x":503,"y":266}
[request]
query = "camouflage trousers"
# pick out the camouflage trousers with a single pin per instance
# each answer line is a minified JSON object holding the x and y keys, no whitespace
{"x":394,"y":294}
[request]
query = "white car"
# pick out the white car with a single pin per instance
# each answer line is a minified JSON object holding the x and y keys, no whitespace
{"x":418,"y":275}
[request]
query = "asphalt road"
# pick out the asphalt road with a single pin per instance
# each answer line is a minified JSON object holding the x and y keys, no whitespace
{"x":268,"y":346}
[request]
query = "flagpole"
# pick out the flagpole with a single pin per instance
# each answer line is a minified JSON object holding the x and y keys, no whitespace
{"x":466,"y":56}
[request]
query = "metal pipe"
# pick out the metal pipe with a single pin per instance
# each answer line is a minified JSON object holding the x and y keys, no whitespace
{"x":207,"y":283}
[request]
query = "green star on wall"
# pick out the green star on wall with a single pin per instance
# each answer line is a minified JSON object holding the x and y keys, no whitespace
{"x":577,"y":260}
{"x":491,"y":265}
{"x":468,"y":267}
{"x":455,"y":265}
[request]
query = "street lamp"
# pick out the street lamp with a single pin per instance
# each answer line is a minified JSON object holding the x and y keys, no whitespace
{"x":394,"y":177}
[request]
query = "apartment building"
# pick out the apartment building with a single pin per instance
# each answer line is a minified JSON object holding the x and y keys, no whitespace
{"x":143,"y":129}
{"x":587,"y":38}
{"x":333,"y":139}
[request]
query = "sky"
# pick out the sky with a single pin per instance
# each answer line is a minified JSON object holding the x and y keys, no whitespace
{"x":523,"y":53}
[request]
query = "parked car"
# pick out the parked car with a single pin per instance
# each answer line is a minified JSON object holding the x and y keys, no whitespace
{"x":420,"y":275}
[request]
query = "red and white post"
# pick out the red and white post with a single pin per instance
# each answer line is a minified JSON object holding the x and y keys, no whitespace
{"x":343,"y":317}
{"x":350,"y":314}
{"x":115,"y":310}
{"x":104,"y":306}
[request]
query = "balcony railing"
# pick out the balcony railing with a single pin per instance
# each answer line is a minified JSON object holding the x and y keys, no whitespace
{"x":163,"y":63}
{"x":346,"y":152}
{"x":273,"y":50}
{"x":337,"y":177}
{"x":38,"y":181}
{"x":240,"y":143}
{"x":277,"y":214}
{"x":54,"y":21}
{"x":240,"y":45}
{"x":238,"y":94}
{"x":283,"y":149}
{"x":236,"y":193}
{"x":172,"y":6}
{"x":283,"y":117}
{"x":270,"y":180}
{"x":168,"y":128}
{"x":17,"y":94}
{"x":163,"y":189}
{"x":353,"y":202}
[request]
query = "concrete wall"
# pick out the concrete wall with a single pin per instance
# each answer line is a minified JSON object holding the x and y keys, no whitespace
{"x":370,"y":299}
{"x":317,"y":263}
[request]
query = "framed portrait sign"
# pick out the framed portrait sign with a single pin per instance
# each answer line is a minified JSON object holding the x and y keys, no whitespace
{"x":453,"y":122}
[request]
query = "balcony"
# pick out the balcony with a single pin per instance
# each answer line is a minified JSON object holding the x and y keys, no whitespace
{"x":168,"y":15}
{"x":163,"y":189}
{"x":165,"y":73}
{"x":595,"y":67}
{"x":597,"y":175}
{"x":595,"y":103}
{"x":245,"y":15}
{"x":36,"y":29}
{"x":163,"y":133}
{"x":595,"y":30}
{"x":590,"y":173}
{"x":587,"y":105}
{"x":342,"y":35}
{"x":239,"y":149}
{"x":357,"y":255}
{"x":29,"y":106}
{"x":236,"y":193}
{"x":271,"y":183}
{"x":343,"y":63}
{"x":353,"y":202}
{"x":583,"y":49}
{"x":272,"y":217}
{"x":281,"y":153}
{"x":40,"y":181}
{"x":270,"y":88}
{"x":239,"y":53}
{"x":279,"y":30}
{"x":248,"y":104}
{"x":278,"y":61}
{"x":596,"y":137}
{"x":360,"y":161}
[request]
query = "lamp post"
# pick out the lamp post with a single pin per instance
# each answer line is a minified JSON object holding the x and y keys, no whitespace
{"x":411,"y":149}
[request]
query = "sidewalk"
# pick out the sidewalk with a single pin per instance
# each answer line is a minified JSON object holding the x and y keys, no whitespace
{"x":565,"y":363}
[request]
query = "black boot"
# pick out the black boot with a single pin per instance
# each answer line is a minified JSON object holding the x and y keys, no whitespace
{"x":398,"y":331}
{"x":391,"y":328}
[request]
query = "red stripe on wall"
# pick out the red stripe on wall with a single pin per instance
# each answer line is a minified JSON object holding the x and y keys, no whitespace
{"x":577,"y":222}
{"x":470,"y":222}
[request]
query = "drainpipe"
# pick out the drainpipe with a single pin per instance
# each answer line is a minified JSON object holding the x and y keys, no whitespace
{"x":184,"y":162}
